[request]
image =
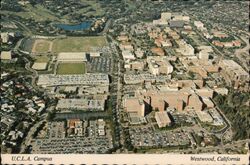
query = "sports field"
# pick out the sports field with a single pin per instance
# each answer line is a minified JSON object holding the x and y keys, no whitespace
{"x":78,"y":44}
{"x":71,"y":68}
{"x":42,"y":46}
{"x":41,"y":59}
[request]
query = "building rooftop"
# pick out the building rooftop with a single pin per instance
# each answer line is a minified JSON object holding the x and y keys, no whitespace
{"x":86,"y":79}
{"x":80,"y":104}
{"x":39,"y":65}
{"x":158,"y":51}
{"x":6,"y":55}
{"x":72,"y":56}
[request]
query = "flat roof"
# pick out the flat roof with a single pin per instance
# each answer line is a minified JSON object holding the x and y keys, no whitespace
{"x":64,"y":56}
{"x":81,"y":79}
{"x":6,"y":55}
{"x":39,"y":65}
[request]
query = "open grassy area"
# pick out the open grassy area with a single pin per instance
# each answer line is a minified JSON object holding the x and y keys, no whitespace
{"x":41,"y":59}
{"x":71,"y":68}
{"x":78,"y":44}
{"x":41,"y":46}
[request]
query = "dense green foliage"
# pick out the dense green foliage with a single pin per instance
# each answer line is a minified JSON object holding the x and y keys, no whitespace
{"x":236,"y":108}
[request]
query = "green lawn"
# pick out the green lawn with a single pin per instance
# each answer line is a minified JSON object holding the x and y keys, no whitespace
{"x":78,"y":44}
{"x":71,"y":68}
{"x":42,"y":47}
{"x":41,"y":59}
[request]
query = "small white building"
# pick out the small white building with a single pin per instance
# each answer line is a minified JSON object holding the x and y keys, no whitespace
{"x":40,"y":65}
{"x":6,"y":55}
{"x":128,"y":55}
{"x":199,"y":24}
{"x":95,"y":54}
{"x":72,"y":57}
{"x":4,"y":38}
{"x":203,"y":55}
{"x":204,"y":116}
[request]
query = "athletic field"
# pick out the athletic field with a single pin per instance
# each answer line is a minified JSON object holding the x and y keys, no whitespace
{"x":71,"y":68}
{"x":42,"y":46}
{"x":69,"y":44}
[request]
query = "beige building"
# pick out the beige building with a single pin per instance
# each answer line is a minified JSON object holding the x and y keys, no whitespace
{"x":137,"y":65}
{"x":199,"y":25}
{"x":208,"y":102}
{"x":139,"y":53}
{"x":195,"y":103}
{"x":128,"y":55}
{"x":40,"y":65}
{"x":126,"y":46}
{"x":123,"y":38}
{"x":184,"y":48}
{"x":234,"y":70}
{"x":4,"y":38}
{"x":162,"y":119}
{"x":205,"y":92}
{"x":72,"y":57}
{"x":158,"y":51}
{"x":135,"y":106}
{"x":6,"y":55}
{"x":159,"y":65}
{"x":165,"y":99}
{"x":204,"y":116}
{"x":166,"y":16}
{"x":203,"y":55}
{"x":95,"y":54}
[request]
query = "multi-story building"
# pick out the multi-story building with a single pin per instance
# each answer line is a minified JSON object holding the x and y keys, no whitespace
{"x":135,"y":106}
{"x":234,"y":70}
{"x":184,"y":48}
{"x":159,"y":65}
{"x":162,"y":119}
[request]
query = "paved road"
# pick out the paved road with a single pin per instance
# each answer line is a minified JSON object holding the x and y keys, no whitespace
{"x":29,"y":32}
{"x":117,"y":83}
{"x":34,"y":72}
{"x":32,"y":130}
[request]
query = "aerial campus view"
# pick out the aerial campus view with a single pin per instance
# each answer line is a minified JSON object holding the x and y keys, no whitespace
{"x":124,"y":77}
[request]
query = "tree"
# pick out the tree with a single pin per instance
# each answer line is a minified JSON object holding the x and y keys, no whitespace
{"x":51,"y":115}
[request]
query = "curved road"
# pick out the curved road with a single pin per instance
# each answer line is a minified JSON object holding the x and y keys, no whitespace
{"x":34,"y":72}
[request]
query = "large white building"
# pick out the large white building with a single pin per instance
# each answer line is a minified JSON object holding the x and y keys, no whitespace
{"x":72,"y":57}
{"x":234,"y":70}
{"x":85,"y":79}
{"x":144,"y":77}
{"x":159,"y":65}
{"x":81,"y":104}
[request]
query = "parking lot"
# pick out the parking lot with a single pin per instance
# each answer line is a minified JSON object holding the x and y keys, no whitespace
{"x":147,"y":137}
{"x":100,"y":64}
{"x":60,"y":142}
